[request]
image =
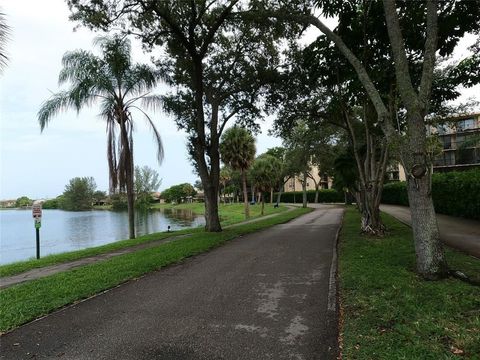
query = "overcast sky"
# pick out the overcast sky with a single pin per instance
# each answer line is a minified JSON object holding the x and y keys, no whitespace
{"x":39,"y":165}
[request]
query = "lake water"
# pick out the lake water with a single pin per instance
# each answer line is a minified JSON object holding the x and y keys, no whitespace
{"x":63,"y":231}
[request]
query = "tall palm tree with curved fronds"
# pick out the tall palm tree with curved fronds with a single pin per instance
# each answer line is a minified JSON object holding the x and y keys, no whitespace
{"x":119,"y":86}
{"x":237,"y":149}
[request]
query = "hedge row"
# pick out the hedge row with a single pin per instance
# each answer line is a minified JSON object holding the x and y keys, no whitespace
{"x":454,"y":193}
{"x":324,"y":196}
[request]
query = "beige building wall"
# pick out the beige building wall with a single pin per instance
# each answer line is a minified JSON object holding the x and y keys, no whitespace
{"x":295,"y":183}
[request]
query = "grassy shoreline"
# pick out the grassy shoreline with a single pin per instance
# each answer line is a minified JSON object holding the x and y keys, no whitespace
{"x":230,"y":213}
{"x":27,"y":301}
{"x":389,"y":312}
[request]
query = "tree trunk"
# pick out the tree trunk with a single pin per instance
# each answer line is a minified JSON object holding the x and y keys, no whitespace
{"x":317,"y":186}
{"x":279,"y":195}
{"x":245,"y":195}
{"x":128,"y":169}
{"x":271,"y":195}
{"x":371,"y":222}
{"x":304,"y":190}
{"x":212,"y":220}
{"x":253,"y":193}
{"x":263,"y":204}
{"x":431,"y":263}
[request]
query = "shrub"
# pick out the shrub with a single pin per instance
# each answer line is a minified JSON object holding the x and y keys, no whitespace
{"x":50,"y":204}
{"x":454,"y":193}
{"x":119,"y":202}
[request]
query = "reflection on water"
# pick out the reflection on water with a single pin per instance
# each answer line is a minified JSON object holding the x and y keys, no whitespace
{"x":66,"y":231}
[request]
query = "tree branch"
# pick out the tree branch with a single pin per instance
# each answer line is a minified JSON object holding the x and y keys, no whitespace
{"x":429,"y":56}
{"x":404,"y":81}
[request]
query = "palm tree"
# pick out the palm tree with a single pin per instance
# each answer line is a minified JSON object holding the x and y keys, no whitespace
{"x":264,"y":174}
{"x":225,"y":177}
{"x":4,"y":34}
{"x":118,"y":85}
{"x":237,"y":149}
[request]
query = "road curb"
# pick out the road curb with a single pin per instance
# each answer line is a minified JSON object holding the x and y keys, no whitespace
{"x":332,"y":300}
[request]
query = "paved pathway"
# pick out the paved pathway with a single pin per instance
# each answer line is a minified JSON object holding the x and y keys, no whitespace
{"x":462,"y":234}
{"x":267,"y":295}
{"x":38,"y":273}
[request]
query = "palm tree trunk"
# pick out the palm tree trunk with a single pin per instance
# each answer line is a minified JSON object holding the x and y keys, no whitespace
{"x":263,"y":204}
{"x":271,"y":195}
{"x":304,"y":190}
{"x":245,"y":194}
{"x":126,"y":144}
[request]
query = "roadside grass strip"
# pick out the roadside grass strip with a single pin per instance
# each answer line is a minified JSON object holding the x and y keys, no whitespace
{"x":27,"y":301}
{"x":391,"y":313}
{"x":232,"y":214}
{"x":22,"y":266}
{"x":229,"y":213}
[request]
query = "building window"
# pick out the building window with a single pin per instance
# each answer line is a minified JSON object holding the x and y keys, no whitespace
{"x":465,"y":156}
{"x":447,"y":141}
{"x":449,"y":157}
{"x":466,"y":124}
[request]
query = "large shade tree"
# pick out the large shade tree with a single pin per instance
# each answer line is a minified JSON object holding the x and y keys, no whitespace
{"x":120,"y":87}
{"x":216,"y":63}
{"x":237,"y":148}
{"x":413,"y":53}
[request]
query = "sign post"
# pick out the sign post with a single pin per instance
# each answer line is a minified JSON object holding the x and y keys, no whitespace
{"x":37,"y":216}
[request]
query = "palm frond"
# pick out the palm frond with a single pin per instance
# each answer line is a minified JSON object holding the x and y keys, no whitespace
{"x":4,"y":36}
{"x":139,"y":79}
{"x":57,"y":103}
{"x":152,"y":102}
{"x":156,"y":134}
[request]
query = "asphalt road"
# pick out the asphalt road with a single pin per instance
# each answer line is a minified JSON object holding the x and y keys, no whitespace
{"x":462,"y":234}
{"x":261,"y":296}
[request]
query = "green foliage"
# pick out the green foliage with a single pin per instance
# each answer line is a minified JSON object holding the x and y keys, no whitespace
{"x":264,"y":172}
{"x":23,"y":201}
{"x":119,"y":202}
{"x":454,"y":193}
{"x":345,"y":172}
{"x":99,"y":195}
{"x":324,"y":196}
{"x":52,"y":203}
{"x":78,"y":194}
{"x":177,"y":193}
{"x":390,"y":313}
{"x":147,"y":181}
{"x":237,"y":148}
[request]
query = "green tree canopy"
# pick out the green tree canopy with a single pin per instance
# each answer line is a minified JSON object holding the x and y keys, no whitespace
{"x":237,"y":149}
{"x":147,"y":181}
{"x":78,"y":194}
{"x":264,"y":173}
{"x":178,"y":193}
{"x":23,"y":201}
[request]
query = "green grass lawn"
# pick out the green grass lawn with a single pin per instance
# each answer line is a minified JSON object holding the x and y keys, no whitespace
{"x":24,"y":302}
{"x":230,"y":214}
{"x":391,"y":313}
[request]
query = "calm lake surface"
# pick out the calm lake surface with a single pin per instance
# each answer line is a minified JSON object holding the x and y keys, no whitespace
{"x":63,"y":231}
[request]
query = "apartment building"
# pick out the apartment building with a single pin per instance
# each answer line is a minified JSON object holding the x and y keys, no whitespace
{"x":460,"y":139}
{"x":295,"y":183}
